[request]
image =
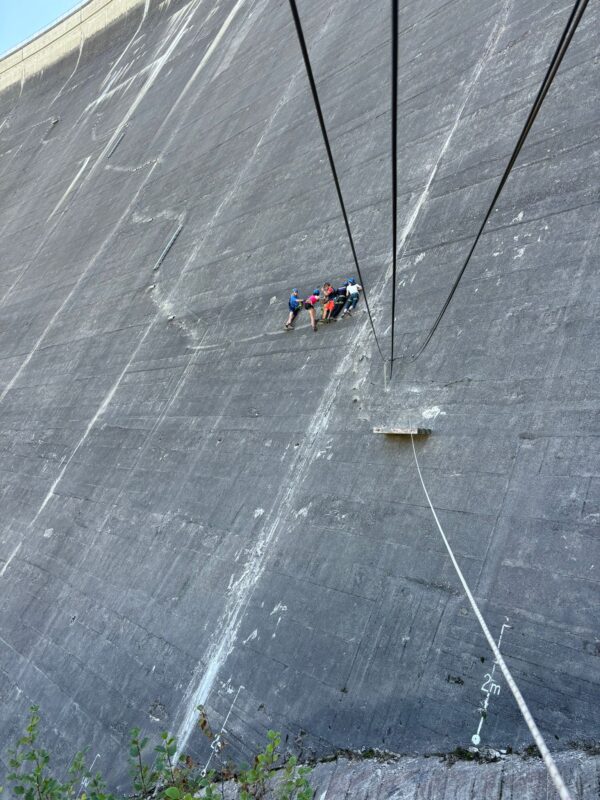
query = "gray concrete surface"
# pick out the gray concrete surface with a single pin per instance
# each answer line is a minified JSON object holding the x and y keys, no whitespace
{"x":198,"y":504}
{"x":416,"y":778}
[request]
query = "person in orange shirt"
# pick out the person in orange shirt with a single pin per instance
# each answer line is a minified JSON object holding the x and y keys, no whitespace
{"x":328,"y":304}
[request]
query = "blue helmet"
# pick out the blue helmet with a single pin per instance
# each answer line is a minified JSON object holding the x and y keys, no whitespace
{"x":352,"y":281}
{"x":317,"y":292}
{"x":294,"y":291}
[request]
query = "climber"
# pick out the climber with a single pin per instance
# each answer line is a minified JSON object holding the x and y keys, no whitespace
{"x":339,"y":300}
{"x":309,"y":305}
{"x":295,"y":306}
{"x":328,"y":302}
{"x":352,"y":293}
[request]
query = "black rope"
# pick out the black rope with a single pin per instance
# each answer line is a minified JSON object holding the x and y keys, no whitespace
{"x":315,"y":95}
{"x":561,"y":49}
{"x":394,"y":166}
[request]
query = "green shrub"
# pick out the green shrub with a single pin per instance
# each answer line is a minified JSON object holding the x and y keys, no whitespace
{"x":157,"y":773}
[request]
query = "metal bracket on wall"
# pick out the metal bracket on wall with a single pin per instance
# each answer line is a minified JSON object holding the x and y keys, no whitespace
{"x":167,"y":247}
{"x":116,"y":143}
{"x":403,"y":431}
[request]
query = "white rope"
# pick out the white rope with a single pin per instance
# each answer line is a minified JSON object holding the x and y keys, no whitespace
{"x":555,"y":775}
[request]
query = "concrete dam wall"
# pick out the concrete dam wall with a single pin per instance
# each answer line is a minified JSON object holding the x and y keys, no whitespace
{"x":195,"y":509}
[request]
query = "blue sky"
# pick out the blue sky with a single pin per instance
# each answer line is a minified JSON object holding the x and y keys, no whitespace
{"x":20,"y":19}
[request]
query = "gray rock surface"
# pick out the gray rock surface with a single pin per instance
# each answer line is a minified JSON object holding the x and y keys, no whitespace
{"x":193,"y":500}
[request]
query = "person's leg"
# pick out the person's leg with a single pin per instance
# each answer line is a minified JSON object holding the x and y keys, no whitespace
{"x":354,"y":299}
{"x":313,"y":320}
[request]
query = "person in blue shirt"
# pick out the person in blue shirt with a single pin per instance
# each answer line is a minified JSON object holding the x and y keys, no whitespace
{"x":295,"y":306}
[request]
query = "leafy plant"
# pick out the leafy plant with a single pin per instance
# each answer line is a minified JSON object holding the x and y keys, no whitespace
{"x":162,"y":775}
{"x":295,"y":784}
{"x":266,"y":770}
{"x":143,"y":776}
{"x":30,"y":772}
{"x":253,"y":781}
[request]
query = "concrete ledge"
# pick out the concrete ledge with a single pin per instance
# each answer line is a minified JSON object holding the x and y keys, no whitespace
{"x":60,"y":39}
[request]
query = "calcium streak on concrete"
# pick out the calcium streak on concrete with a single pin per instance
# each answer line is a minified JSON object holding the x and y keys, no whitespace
{"x":214,"y":44}
{"x":99,"y":412}
{"x":523,"y":708}
{"x":125,"y":214}
{"x":242,"y":589}
{"x":10,"y":558}
{"x":75,"y":127}
{"x":70,"y":294}
{"x":70,"y":188}
{"x":107,"y":399}
{"x":149,"y":82}
{"x":471,"y":84}
{"x":66,"y":83}
{"x":109,"y":396}
{"x":111,"y":74}
{"x":156,"y":68}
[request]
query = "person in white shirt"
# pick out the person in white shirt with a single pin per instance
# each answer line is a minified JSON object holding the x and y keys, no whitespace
{"x":352,"y":293}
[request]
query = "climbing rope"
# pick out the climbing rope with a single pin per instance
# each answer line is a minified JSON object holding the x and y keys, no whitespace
{"x":561,"y":49}
{"x":394,"y":7}
{"x":555,"y":775}
{"x":315,"y":96}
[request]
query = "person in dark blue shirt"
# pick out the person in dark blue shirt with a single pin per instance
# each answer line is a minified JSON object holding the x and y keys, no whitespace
{"x":295,"y":306}
{"x":339,"y":300}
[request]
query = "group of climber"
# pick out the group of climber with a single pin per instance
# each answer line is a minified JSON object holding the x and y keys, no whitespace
{"x":332,"y":301}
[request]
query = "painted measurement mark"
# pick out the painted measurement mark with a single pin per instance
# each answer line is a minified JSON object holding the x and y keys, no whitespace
{"x":85,"y":781}
{"x":489,"y":688}
{"x":218,"y":742}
